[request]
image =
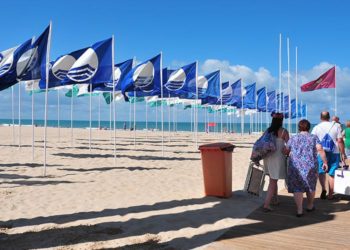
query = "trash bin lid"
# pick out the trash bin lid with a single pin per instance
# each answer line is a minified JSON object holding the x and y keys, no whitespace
{"x":223,"y":146}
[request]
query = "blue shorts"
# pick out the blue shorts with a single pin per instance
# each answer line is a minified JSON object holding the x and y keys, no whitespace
{"x":333,"y":163}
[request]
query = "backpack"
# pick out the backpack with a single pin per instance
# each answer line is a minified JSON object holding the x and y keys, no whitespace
{"x":327,"y":141}
{"x":265,"y":145}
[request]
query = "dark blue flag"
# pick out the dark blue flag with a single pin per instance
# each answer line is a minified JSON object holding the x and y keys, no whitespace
{"x":120,"y":71}
{"x":179,"y":82}
{"x":261,"y":102}
{"x":36,"y":62}
{"x":271,"y":101}
{"x":249,"y":97}
{"x":12,"y":64}
{"x":144,"y":78}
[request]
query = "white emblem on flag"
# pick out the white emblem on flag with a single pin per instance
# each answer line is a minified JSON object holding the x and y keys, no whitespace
{"x":85,"y":67}
{"x":61,"y":67}
{"x":202,"y":82}
{"x":143,"y":76}
{"x":176,"y":80}
{"x":6,"y":61}
{"x":27,"y":61}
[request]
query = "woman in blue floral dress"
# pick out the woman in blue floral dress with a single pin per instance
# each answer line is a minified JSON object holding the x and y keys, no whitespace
{"x":303,"y":166}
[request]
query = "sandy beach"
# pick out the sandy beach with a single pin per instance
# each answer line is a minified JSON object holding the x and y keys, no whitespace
{"x":88,"y":201}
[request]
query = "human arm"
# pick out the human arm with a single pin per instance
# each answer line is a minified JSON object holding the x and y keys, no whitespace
{"x":321,"y":152}
{"x":340,"y":142}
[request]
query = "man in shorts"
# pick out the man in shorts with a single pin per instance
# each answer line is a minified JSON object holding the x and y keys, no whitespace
{"x":333,"y":158}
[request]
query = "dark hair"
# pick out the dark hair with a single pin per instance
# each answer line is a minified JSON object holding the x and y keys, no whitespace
{"x":325,"y":116}
{"x":304,"y":125}
{"x":276,"y":124}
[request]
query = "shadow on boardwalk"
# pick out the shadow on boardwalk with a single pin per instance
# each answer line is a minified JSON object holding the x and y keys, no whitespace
{"x":256,"y":224}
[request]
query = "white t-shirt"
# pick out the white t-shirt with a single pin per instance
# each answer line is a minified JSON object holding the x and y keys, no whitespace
{"x":325,"y":127}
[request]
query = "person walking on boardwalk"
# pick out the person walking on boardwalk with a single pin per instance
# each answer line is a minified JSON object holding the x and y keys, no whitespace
{"x":330,"y":136}
{"x":275,"y":163}
{"x":302,"y":149}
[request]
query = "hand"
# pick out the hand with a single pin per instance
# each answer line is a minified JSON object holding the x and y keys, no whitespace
{"x":325,"y":167}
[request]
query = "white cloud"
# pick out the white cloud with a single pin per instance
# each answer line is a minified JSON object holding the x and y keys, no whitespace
{"x":317,"y":100}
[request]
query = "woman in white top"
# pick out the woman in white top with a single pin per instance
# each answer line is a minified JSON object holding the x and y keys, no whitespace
{"x":275,"y":163}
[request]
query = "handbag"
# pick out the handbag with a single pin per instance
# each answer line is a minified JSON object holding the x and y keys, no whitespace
{"x":265,"y":145}
{"x":255,"y":179}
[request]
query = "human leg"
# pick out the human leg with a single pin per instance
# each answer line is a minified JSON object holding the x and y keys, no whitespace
{"x":322,"y":179}
{"x":330,"y":186}
{"x":333,"y":165}
{"x":310,"y":200}
{"x":270,"y":192}
{"x":298,"y":198}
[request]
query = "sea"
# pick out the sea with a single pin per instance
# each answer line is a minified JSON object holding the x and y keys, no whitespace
{"x":142,"y":125}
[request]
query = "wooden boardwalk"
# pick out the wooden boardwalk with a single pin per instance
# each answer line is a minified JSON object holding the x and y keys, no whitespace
{"x":328,"y":227}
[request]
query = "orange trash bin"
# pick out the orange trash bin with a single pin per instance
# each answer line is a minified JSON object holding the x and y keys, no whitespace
{"x":217,"y":169}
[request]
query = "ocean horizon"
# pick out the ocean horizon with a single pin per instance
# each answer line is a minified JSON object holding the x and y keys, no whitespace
{"x":142,"y":125}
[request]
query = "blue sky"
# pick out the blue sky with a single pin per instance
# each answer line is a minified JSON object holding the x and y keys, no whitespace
{"x":232,"y":35}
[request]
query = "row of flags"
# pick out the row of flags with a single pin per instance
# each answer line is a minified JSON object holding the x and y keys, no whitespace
{"x":91,"y":69}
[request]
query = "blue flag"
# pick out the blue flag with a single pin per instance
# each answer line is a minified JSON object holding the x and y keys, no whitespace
{"x":249,"y":98}
{"x":208,"y":85}
{"x":120,"y":71}
{"x":36,"y":62}
{"x":261,"y":102}
{"x":12,"y":64}
{"x":226,"y":96}
{"x":303,"y":111}
{"x":179,"y":82}
{"x":59,"y":69}
{"x":271,"y":101}
{"x":236,"y":93}
{"x":286,"y":104}
{"x":92,"y":65}
{"x":144,"y":78}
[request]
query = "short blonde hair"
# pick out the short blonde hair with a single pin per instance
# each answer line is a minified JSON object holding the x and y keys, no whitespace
{"x":348,"y":124}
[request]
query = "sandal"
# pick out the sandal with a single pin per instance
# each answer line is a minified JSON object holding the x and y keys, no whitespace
{"x":299,"y":215}
{"x":267,"y":209}
{"x":311,"y":209}
{"x":323,"y":195}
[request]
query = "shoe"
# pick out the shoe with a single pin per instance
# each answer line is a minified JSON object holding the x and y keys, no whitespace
{"x":267,"y":210}
{"x":299,"y":215}
{"x":274,"y":201}
{"x":311,"y":209}
{"x":323,"y":195}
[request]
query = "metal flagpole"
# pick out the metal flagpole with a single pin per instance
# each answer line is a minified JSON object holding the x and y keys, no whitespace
{"x":157,"y":114}
{"x":13,"y":116}
{"x":220,"y":101}
{"x":169,"y":115}
{"x":242,"y":110}
{"x":90,"y":116}
{"x":280,"y":74}
{"x":161,"y":94}
{"x":196,"y":108}
{"x":296,"y":90}
{"x":32,"y":120}
{"x":266,"y":111}
{"x":71,"y":117}
{"x":146,"y":117}
{"x":114,"y":106}
{"x":99,"y":111}
{"x":135,"y":99}
{"x":110,"y":113}
{"x":335,"y":95}
{"x":46,"y":92}
{"x":19,"y":115}
{"x":58,"y":114}
{"x":289,"y":96}
{"x":129,"y":113}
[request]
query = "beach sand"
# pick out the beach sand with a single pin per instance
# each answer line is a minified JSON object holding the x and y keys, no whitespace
{"x":142,"y":200}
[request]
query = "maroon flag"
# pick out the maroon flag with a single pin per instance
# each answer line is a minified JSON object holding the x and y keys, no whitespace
{"x":325,"y":81}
